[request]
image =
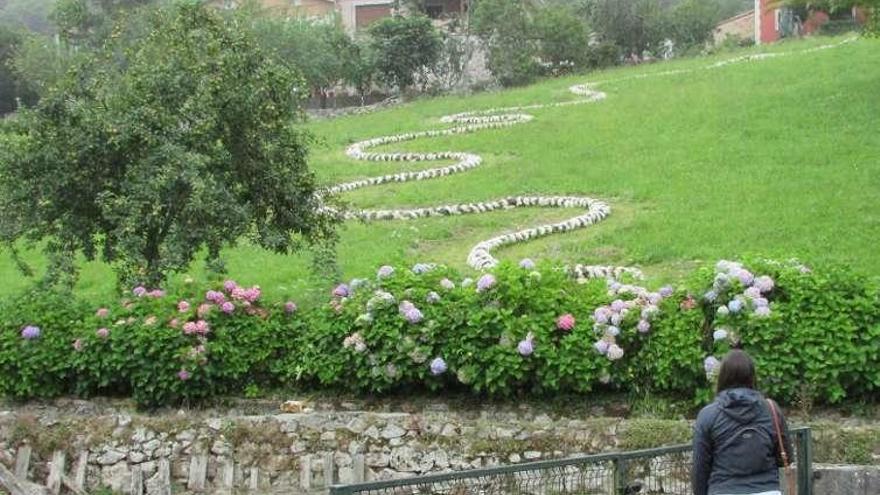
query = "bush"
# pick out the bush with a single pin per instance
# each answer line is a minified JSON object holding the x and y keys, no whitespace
{"x":505,"y":28}
{"x":521,"y":329}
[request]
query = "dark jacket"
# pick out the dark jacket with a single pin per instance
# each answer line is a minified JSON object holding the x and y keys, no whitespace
{"x":735,"y":446}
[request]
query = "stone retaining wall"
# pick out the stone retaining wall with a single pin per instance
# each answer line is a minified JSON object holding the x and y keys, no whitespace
{"x":304,"y":452}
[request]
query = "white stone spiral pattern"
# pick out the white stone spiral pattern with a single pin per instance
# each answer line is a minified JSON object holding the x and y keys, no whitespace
{"x":480,"y":256}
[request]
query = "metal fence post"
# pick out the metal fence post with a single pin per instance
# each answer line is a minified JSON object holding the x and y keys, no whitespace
{"x":341,"y":490}
{"x":805,"y":462}
{"x":620,"y":466}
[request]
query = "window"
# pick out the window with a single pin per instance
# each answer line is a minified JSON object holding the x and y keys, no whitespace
{"x":777,"y":19}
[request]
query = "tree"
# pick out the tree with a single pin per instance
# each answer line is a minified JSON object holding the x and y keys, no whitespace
{"x":30,"y":14}
{"x":319,"y":49}
{"x":632,"y":25}
{"x":405,"y":48}
{"x":691,"y":22}
{"x":506,"y":30}
{"x":562,"y":37}
{"x":150,"y":151}
{"x":360,"y":70}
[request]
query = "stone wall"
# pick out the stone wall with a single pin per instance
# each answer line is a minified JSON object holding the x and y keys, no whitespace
{"x":240,"y":451}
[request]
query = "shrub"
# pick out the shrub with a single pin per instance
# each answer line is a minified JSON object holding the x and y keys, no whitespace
{"x":506,"y":30}
{"x":522,"y":329}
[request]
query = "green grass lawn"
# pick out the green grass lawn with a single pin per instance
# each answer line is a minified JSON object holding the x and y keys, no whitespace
{"x":777,"y":157}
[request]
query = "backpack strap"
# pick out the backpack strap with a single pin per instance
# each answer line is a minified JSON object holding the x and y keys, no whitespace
{"x":778,"y":428}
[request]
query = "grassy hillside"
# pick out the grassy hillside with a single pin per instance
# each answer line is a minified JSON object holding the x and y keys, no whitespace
{"x":777,"y":157}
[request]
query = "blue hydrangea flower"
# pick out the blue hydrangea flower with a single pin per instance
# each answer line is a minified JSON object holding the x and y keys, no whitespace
{"x":666,"y":291}
{"x":438,"y":366}
{"x":601,"y":346}
{"x":413,"y":315}
{"x":432,"y":297}
{"x":527,"y":264}
{"x":710,"y":364}
{"x":710,"y":296}
{"x":422,"y":268}
{"x":644,"y":326}
{"x":735,"y":306}
{"x":612,"y":331}
{"x":720,"y":334}
{"x":385,"y":271}
{"x":486,"y":282}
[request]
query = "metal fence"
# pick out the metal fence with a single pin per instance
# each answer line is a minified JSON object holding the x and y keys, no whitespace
{"x":663,"y":470}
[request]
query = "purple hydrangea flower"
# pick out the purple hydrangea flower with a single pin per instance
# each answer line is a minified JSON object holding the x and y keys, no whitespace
{"x":617,"y":305}
{"x":735,"y":306}
{"x":764,"y":283}
{"x":527,"y":264}
{"x":666,"y":291}
{"x":290,"y":307}
{"x":215,"y":297}
{"x":601,"y":315}
{"x":229,"y":285}
{"x":644,"y":326}
{"x":720,"y":334}
{"x":405,"y":306}
{"x":438,"y":366}
{"x":601,"y":346}
{"x":447,"y":284}
{"x":413,"y":315}
{"x":710,"y":364}
{"x":227,"y":307}
{"x":762,"y":311}
{"x":183,"y":375}
{"x":341,"y":290}
{"x":30,"y":332}
{"x":759,"y":302}
{"x":752,"y":293}
{"x":385,"y":271}
{"x":526,"y":347}
{"x":745,"y":276}
{"x":486,"y":282}
{"x":139,"y":291}
{"x":183,"y":306}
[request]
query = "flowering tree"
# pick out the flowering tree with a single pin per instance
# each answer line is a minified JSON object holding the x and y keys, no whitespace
{"x":150,"y":151}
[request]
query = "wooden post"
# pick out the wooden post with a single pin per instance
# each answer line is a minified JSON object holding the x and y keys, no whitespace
{"x":254,"y":481}
{"x":137,"y":481}
{"x":23,"y":462}
{"x":14,"y":485}
{"x":198,"y":472}
{"x":329,"y":465}
{"x":305,"y":472}
{"x":56,"y":470}
{"x":164,"y":476}
{"x":79,"y":472}
{"x":227,"y":475}
{"x":358,"y":468}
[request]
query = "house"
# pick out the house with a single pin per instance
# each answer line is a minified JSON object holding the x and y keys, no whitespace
{"x":356,"y":14}
{"x":739,"y":27}
{"x":775,"y":21}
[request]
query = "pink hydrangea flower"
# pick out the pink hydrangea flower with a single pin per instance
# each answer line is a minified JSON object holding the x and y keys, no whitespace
{"x":102,"y":313}
{"x":229,"y":285}
{"x":183,"y":306}
{"x":189,"y":328}
{"x":183,"y":375}
{"x":290,"y":307}
{"x":565,"y":322}
{"x":77,"y":345}
{"x":139,"y":291}
{"x":102,"y":333}
{"x":202,"y":327}
{"x":227,"y":307}
{"x":204,"y":310}
{"x":174,"y":323}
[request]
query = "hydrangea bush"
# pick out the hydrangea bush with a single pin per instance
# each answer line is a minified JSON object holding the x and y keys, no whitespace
{"x":524,"y":328}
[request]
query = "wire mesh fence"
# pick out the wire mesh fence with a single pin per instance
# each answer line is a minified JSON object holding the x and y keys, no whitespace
{"x":664,"y":470}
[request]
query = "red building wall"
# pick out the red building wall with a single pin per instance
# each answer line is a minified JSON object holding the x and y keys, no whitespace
{"x":768,"y":30}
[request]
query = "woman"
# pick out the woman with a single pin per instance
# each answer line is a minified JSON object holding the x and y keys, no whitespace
{"x":736,"y":448}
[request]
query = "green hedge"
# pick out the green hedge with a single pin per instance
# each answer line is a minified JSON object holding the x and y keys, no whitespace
{"x":522,"y":329}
